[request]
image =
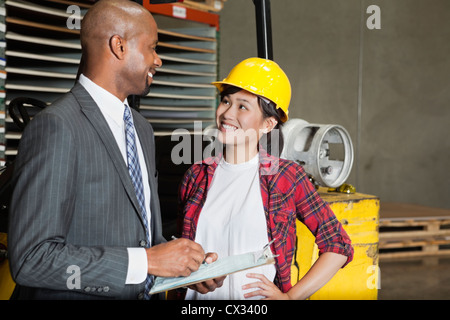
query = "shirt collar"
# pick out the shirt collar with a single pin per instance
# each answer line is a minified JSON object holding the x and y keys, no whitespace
{"x":108,"y":103}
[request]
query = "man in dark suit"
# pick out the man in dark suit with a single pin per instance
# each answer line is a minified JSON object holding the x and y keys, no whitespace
{"x":76,"y":226}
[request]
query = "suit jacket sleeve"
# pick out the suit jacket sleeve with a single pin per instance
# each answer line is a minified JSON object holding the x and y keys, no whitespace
{"x":41,"y":213}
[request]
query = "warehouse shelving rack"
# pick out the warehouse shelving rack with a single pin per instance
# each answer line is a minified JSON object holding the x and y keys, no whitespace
{"x":42,"y":55}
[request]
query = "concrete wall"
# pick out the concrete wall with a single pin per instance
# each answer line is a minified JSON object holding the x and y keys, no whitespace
{"x":389,"y":87}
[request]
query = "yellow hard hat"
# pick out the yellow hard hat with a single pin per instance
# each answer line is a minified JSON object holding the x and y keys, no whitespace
{"x":262,"y":77}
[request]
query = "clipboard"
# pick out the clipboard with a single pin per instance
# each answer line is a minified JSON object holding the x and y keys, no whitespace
{"x":220,"y":267}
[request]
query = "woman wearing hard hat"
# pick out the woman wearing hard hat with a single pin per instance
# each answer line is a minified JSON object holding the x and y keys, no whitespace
{"x":247,"y":197}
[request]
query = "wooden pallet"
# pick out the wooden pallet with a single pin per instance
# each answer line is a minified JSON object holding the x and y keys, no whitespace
{"x":204,"y":5}
{"x":408,"y":230}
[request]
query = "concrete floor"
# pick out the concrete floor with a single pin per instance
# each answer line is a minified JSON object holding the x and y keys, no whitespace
{"x":415,"y":279}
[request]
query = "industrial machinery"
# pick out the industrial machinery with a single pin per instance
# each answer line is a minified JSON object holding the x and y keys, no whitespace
{"x":325,"y":151}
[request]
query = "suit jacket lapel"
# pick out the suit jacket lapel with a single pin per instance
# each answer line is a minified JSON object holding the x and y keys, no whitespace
{"x":94,"y":115}
{"x":144,"y":143}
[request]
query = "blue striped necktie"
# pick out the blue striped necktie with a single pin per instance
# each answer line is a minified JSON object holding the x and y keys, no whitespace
{"x":136,"y":177}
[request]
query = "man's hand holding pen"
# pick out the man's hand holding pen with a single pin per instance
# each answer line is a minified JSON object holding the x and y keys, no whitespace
{"x":181,"y":257}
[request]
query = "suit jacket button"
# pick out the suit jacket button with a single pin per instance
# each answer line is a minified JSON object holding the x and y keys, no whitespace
{"x":87,"y":289}
{"x":141,"y":296}
{"x":143,"y":243}
{"x":105,"y":289}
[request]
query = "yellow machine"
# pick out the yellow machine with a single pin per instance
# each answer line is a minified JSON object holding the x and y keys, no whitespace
{"x":326,"y":153}
{"x":360,"y":279}
{"x":6,"y":282}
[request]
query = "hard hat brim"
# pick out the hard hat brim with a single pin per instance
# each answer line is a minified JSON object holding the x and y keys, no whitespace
{"x":220,"y":86}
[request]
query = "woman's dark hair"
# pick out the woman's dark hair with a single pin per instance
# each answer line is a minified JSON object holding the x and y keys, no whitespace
{"x":273,"y":141}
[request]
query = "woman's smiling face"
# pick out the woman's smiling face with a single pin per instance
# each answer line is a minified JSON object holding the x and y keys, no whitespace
{"x":240,"y":121}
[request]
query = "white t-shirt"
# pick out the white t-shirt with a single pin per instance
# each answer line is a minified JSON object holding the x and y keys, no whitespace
{"x":233,"y":222}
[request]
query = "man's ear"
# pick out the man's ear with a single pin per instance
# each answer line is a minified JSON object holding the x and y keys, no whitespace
{"x":118,"y":46}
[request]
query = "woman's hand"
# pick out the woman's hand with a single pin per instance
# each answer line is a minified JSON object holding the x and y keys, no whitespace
{"x":267,"y":288}
{"x":320,"y":273}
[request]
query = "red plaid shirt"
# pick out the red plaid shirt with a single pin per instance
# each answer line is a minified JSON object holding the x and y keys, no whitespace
{"x":287,"y":194}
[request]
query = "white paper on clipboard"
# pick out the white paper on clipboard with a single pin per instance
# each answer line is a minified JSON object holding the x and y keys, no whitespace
{"x":216,"y":269}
